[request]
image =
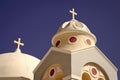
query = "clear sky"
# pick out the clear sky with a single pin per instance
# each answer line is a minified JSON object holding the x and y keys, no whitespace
{"x":35,"y":22}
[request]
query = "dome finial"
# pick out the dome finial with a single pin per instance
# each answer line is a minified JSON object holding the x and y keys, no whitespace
{"x":73,"y":13}
{"x":18,"y":44}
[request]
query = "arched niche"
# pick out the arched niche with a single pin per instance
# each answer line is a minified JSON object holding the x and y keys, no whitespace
{"x":93,"y":71}
{"x":53,"y":72}
{"x":86,"y":76}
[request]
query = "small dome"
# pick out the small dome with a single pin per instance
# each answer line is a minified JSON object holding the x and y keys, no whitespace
{"x":17,"y":64}
{"x":73,"y":35}
{"x":73,"y":26}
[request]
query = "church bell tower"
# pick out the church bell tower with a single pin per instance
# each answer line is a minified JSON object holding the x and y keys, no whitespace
{"x":75,"y":56}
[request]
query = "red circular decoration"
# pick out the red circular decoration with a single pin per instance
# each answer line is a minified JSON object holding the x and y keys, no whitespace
{"x":88,"y":41}
{"x":52,"y":71}
{"x":57,"y":43}
{"x":94,"y":71}
{"x":72,"y":39}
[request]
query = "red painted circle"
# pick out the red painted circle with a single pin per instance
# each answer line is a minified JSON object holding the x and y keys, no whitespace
{"x":52,"y":71}
{"x":88,"y":41}
{"x":94,"y":71}
{"x":73,"y":39}
{"x":57,"y":43}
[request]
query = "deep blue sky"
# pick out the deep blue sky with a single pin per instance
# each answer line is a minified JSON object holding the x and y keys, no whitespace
{"x":37,"y":21}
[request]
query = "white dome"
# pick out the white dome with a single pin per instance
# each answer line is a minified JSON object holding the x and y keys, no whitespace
{"x":73,"y":26}
{"x":17,"y":64}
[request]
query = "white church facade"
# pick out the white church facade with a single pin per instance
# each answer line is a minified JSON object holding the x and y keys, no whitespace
{"x":73,"y":56}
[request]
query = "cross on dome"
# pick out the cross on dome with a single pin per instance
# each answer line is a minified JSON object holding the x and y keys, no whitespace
{"x":18,"y":44}
{"x":73,"y":13}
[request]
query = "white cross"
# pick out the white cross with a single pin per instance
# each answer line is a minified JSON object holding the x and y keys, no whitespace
{"x":18,"y":43}
{"x":73,"y":13}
